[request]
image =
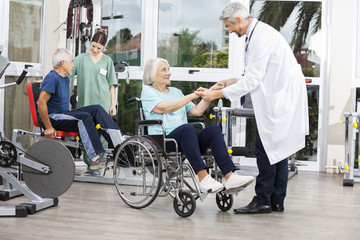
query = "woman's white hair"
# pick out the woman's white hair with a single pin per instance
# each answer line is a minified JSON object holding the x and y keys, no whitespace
{"x":60,"y":54}
{"x":150,"y":70}
{"x":234,"y":10}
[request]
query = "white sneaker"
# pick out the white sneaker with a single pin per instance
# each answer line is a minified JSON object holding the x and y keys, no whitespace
{"x":210,"y":185}
{"x":237,"y":181}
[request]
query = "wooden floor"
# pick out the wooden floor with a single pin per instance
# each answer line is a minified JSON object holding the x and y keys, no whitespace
{"x":317,"y":207}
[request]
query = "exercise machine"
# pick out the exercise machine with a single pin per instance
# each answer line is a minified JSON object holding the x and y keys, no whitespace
{"x":352,"y":147}
{"x":224,"y":117}
{"x":47,"y":167}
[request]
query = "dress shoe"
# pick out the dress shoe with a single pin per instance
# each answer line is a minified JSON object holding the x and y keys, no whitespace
{"x":253,"y":207}
{"x":277,"y":207}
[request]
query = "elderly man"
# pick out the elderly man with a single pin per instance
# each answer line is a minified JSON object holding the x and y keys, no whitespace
{"x":277,"y":87}
{"x":53,"y":108}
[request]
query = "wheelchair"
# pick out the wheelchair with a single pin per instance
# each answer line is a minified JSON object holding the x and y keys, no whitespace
{"x":144,"y":170}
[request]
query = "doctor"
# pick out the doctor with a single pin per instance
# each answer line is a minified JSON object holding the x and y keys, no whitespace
{"x":277,"y":87}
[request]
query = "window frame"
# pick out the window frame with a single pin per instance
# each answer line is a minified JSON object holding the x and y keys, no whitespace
{"x":323,"y":115}
{"x":15,"y":68}
{"x":357,"y":60}
{"x":149,"y":50}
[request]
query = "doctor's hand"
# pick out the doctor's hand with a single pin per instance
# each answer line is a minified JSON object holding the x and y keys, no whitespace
{"x":228,"y":82}
{"x":209,"y":95}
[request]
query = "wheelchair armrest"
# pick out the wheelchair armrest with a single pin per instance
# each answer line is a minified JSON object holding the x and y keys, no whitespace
{"x":195,"y":120}
{"x":150,"y":122}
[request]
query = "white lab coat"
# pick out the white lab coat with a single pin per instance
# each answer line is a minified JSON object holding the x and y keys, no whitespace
{"x":278,"y":92}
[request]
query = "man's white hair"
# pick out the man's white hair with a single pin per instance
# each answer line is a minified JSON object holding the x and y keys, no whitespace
{"x":60,"y":54}
{"x":234,"y":10}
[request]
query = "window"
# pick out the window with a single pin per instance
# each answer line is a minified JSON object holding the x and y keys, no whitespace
{"x":17,"y":110}
{"x":124,"y":34}
{"x":191,"y":37}
{"x":22,"y":44}
{"x":358,"y":43}
{"x":25,"y":20}
{"x":128,"y":115}
{"x":300,"y":23}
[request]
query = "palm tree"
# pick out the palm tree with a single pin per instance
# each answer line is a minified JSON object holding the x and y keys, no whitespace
{"x":276,"y":14}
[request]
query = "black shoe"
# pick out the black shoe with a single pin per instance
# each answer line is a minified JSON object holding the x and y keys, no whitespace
{"x":253,"y":207}
{"x":277,"y":208}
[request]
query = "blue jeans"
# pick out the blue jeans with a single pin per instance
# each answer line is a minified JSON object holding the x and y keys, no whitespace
{"x":193,"y":144}
{"x":272,"y":180}
{"x":83,"y":121}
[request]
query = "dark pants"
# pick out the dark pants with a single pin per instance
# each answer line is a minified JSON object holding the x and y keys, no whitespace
{"x":193,"y":144}
{"x":272,"y":179}
{"x":83,"y":122}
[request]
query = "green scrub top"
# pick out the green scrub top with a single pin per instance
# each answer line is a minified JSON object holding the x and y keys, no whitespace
{"x":94,"y":80}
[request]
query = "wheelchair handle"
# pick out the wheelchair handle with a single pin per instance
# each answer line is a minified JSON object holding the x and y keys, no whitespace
{"x":137,"y":100}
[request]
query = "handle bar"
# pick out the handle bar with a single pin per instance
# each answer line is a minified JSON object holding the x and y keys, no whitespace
{"x":18,"y":82}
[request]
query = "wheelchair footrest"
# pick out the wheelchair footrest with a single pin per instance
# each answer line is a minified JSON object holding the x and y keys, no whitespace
{"x":233,"y":190}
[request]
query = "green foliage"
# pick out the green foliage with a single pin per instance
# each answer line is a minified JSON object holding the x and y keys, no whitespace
{"x":123,"y":34}
{"x":189,"y":87}
{"x":215,"y":60}
{"x":192,"y":51}
{"x":127,"y":116}
{"x":277,"y":13}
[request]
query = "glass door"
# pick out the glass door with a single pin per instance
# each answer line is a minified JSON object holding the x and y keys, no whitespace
{"x":300,"y":23}
{"x":22,"y":23}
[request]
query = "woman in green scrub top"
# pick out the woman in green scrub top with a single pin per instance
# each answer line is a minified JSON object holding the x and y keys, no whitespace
{"x":96,"y":80}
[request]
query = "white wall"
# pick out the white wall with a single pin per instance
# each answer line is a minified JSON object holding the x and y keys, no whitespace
{"x":55,"y":13}
{"x":342,"y":72}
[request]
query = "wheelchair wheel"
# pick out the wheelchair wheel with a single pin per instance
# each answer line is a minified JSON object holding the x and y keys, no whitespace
{"x":188,"y":204}
{"x":224,"y":201}
{"x":137,"y":171}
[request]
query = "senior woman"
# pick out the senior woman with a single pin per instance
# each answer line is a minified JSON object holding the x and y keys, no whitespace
{"x":171,"y":106}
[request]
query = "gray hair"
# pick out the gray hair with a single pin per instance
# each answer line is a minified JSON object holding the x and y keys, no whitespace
{"x":150,"y":70}
{"x":60,"y":54}
{"x":234,"y":10}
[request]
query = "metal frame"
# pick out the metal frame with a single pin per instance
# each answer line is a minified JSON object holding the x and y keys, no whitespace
{"x":351,"y":174}
{"x":13,"y":187}
{"x":225,"y":116}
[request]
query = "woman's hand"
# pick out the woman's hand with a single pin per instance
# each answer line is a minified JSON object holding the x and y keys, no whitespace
{"x":194,"y":96}
{"x":209,"y":95}
{"x":217,"y":86}
{"x":112,"y":110}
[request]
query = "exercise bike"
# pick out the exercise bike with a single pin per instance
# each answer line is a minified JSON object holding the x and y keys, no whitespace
{"x":47,"y":167}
